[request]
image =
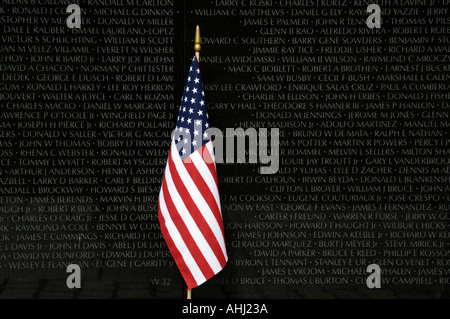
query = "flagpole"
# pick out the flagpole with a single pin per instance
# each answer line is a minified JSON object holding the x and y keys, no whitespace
{"x":197,"y":48}
{"x":197,"y":43}
{"x":189,"y":294}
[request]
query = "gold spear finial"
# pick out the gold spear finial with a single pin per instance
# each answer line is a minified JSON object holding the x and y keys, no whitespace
{"x":197,"y":43}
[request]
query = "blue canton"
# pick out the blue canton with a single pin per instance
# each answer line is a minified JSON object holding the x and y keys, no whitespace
{"x":192,"y":122}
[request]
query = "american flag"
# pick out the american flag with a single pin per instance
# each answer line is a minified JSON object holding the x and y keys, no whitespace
{"x":189,"y":206}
